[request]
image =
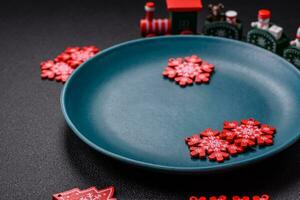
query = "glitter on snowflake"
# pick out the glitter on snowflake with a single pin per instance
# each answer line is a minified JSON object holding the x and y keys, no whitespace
{"x":183,"y":81}
{"x":209,"y":132}
{"x":209,"y":144}
{"x":93,"y":49}
{"x":63,"y":57}
{"x":193,"y":140}
{"x":186,"y":71}
{"x":250,"y":121}
{"x":206,"y":67}
{"x":244,"y":142}
{"x":202,"y":78}
{"x":267,"y":129}
{"x":170,"y":72}
{"x":249,"y":133}
{"x":45,"y":73}
{"x":218,"y":156}
{"x":234,"y":149}
{"x":173,"y":62}
{"x":198,"y":152}
{"x":46,"y":64}
{"x":62,"y":71}
{"x":81,"y":55}
{"x":235,"y":138}
{"x":230,"y":125}
{"x":227,"y":135}
{"x":64,"y":64}
{"x":263,"y":140}
{"x":215,"y":147}
{"x":193,"y":59}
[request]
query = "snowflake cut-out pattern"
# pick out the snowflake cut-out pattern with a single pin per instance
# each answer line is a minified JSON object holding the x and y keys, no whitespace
{"x":64,"y":64}
{"x":235,"y":138}
{"x":186,"y":71}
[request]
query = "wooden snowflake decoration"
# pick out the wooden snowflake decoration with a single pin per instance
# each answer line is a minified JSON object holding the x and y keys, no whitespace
{"x":88,"y":194}
{"x":235,"y":138}
{"x":186,"y":71}
{"x":209,"y":144}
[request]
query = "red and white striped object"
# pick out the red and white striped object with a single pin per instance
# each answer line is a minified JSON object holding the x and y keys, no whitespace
{"x":155,"y":26}
{"x":150,"y":26}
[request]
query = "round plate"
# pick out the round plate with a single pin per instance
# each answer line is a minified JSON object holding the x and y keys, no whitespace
{"x":119,"y":103}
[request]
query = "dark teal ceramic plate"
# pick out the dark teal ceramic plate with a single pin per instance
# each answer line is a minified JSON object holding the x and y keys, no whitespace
{"x":119,"y":103}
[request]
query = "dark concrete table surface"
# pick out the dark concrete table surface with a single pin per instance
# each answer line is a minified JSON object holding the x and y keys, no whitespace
{"x":39,"y":153}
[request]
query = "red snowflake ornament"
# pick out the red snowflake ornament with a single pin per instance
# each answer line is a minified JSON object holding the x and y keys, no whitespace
{"x":209,"y":144}
{"x":64,"y":64}
{"x":249,"y":133}
{"x":62,"y":71}
{"x":89,"y":194}
{"x":234,"y":139}
{"x":188,"y":70}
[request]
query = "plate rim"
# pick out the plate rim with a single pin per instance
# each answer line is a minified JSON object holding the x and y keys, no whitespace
{"x":167,"y":168}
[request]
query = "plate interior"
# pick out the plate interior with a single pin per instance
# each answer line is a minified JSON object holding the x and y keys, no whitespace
{"x":120,"y":104}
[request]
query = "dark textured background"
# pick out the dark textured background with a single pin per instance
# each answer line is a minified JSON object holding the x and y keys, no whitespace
{"x":40,"y":155}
